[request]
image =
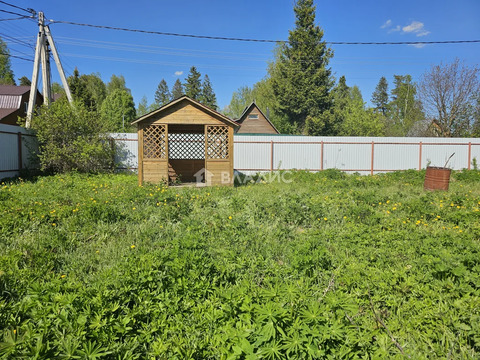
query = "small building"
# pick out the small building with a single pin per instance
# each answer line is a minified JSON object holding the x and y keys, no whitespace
{"x":254,"y":121}
{"x":186,"y":141}
{"x":13,"y":103}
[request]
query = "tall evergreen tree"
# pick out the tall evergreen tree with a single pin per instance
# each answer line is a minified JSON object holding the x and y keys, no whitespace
{"x":24,"y":81}
{"x":6,"y":72}
{"x":207,"y":96}
{"x":162,"y":95}
{"x":142,"y":108}
{"x":301,"y":78}
{"x":193,"y":86}
{"x":78,"y":88}
{"x":341,"y":93}
{"x":380,"y":96}
{"x":177,"y":90}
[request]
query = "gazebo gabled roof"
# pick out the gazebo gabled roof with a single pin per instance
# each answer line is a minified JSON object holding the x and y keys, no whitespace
{"x":204,"y":108}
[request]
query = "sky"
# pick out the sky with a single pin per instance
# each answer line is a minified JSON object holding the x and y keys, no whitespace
{"x":145,"y":59}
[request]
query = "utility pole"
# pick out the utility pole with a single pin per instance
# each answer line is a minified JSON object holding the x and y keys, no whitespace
{"x":45,"y":43}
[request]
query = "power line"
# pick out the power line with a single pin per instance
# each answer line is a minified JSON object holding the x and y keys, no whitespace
{"x":14,"y":13}
{"x":17,"y":57}
{"x":31,"y":11}
{"x":17,"y":18}
{"x":260,"y":40}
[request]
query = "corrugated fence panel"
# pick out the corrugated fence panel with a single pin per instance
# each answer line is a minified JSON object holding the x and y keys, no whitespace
{"x":126,"y":156}
{"x":11,"y":159}
{"x":251,"y":156}
{"x":261,"y":153}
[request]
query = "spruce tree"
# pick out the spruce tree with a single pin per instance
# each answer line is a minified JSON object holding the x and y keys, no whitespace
{"x":207,"y":96}
{"x":301,"y":78}
{"x":177,"y":90}
{"x":380,"y":96}
{"x":193,"y":86}
{"x":162,"y":95}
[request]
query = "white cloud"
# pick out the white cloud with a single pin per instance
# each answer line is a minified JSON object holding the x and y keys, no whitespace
{"x":387,"y":24}
{"x":417,"y":28}
{"x":423,"y":33}
{"x":178,"y":73}
{"x":418,"y":46}
{"x":396,"y":28}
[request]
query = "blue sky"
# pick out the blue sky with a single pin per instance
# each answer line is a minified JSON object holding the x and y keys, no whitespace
{"x":145,"y":59}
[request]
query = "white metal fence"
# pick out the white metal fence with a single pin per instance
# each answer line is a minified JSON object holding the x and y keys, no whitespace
{"x":262,"y":153}
{"x":366,"y":155}
{"x":17,"y":145}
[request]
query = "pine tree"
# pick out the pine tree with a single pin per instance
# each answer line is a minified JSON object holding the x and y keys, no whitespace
{"x":177,"y":90}
{"x":301,"y":78}
{"x":207,"y":96}
{"x":162,"y":95}
{"x":380,"y":96}
{"x":193,"y":86}
{"x":6,"y":73}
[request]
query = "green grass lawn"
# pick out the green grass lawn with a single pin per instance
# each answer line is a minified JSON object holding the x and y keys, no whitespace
{"x":329,"y":266}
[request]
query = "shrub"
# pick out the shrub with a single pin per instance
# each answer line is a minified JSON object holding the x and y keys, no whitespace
{"x":71,"y":138}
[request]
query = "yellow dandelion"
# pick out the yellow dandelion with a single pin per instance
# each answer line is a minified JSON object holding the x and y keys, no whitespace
{"x":132,"y":246}
{"x":63,"y":276}
{"x":230,"y":217}
{"x":325,"y":219}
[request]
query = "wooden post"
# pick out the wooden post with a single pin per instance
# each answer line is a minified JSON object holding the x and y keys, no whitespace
{"x":420,"y":156}
{"x":271,"y":155}
{"x":19,"y":149}
{"x":45,"y":54}
{"x":371,"y":168}
{"x":321,"y":155}
{"x":469,"y":154}
{"x":59,"y":64}
{"x":36,"y":64}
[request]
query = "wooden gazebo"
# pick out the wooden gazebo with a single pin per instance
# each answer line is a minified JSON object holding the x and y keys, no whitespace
{"x":185,"y":141}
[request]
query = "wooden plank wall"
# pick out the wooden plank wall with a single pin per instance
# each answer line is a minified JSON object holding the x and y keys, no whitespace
{"x":256,"y":126}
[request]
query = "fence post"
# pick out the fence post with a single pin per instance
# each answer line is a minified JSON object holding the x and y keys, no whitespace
{"x":321,"y":155}
{"x":19,"y":150}
{"x":271,"y":155}
{"x":371,"y":168}
{"x":420,"y":156}
{"x":469,"y":154}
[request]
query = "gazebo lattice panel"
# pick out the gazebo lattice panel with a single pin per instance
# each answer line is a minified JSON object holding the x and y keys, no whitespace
{"x":186,"y":146}
{"x":154,"y":142}
{"x":217,"y":142}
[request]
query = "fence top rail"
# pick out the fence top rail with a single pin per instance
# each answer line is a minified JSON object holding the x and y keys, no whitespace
{"x":350,"y":143}
{"x":16,"y":133}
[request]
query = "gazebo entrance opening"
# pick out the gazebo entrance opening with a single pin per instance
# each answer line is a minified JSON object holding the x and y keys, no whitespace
{"x":186,"y":153}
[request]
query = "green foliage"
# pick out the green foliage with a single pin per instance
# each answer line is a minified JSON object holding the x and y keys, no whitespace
{"x":405,"y":109}
{"x":71,"y":138}
{"x":98,"y":267}
{"x":301,"y":79}
{"x":380,"y":96}
{"x":118,"y":111}
{"x":193,"y":85}
{"x":6,"y":72}
{"x":162,"y":94}
{"x":24,"y":81}
{"x":357,"y":120}
{"x":207,"y":96}
{"x":117,"y":83}
{"x":177,"y":89}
